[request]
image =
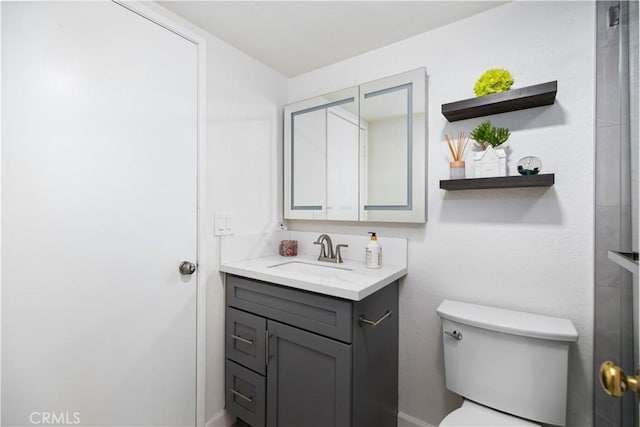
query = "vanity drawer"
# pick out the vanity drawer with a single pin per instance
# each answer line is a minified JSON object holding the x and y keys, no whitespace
{"x":323,"y":315}
{"x":245,"y":394}
{"x":245,"y":339}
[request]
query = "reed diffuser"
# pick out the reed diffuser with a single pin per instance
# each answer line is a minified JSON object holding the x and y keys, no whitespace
{"x":457,"y":147}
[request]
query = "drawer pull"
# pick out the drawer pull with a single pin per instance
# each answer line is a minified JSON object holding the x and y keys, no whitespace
{"x":244,"y":340}
{"x":240,"y":395}
{"x":375,"y":323}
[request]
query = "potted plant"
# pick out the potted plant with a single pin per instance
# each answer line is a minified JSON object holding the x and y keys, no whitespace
{"x":486,"y":135}
{"x":494,"y":80}
{"x":493,"y":160}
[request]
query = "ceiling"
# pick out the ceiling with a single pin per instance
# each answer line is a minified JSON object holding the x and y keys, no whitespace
{"x":295,"y":37}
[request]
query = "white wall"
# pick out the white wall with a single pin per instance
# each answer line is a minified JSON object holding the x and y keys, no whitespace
{"x":526,"y":249}
{"x":245,"y":101}
{"x":243,"y":169}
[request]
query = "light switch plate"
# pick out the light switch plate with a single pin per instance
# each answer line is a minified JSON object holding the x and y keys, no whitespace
{"x":222,"y":225}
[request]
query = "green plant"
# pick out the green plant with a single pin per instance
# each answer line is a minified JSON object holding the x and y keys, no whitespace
{"x":493,"y":80}
{"x":485,"y":134}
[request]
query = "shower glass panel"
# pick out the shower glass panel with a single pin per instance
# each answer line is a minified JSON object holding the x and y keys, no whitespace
{"x":616,"y":200}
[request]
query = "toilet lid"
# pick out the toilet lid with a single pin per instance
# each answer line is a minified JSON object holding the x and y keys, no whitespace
{"x":471,"y":414}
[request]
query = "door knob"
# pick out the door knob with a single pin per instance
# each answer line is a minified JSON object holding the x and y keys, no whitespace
{"x":615,"y":382}
{"x":186,"y":268}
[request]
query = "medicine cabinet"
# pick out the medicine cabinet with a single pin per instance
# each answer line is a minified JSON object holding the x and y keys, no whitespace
{"x":358,"y":154}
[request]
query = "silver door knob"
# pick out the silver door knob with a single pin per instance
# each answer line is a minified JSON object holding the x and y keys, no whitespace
{"x":186,"y":268}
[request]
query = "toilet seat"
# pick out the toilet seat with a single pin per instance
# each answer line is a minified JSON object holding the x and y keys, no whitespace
{"x":470,"y":414}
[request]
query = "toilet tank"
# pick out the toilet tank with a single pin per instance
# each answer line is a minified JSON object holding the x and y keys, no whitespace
{"x":508,"y":360}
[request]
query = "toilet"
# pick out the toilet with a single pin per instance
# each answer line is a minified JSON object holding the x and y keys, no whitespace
{"x":510,"y":367}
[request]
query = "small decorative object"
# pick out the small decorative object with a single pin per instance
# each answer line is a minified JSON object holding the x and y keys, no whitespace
{"x":457,"y":147}
{"x":457,"y":169}
{"x":492,"y":161}
{"x":288,"y":248}
{"x":493,"y":80}
{"x":529,"y":165}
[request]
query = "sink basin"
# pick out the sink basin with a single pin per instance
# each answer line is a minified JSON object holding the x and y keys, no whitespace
{"x":301,"y":267}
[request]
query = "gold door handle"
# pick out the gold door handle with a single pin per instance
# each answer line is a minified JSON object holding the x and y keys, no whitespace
{"x":615,"y":382}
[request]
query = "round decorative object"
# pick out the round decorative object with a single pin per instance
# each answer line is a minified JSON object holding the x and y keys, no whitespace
{"x":529,"y":165}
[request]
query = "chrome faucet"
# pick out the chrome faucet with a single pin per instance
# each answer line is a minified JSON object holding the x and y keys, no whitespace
{"x":326,"y":249}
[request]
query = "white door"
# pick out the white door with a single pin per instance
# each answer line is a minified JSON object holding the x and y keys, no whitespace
{"x":99,"y":156}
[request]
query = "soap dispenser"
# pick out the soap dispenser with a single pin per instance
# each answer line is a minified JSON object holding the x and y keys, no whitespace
{"x":373,"y":252}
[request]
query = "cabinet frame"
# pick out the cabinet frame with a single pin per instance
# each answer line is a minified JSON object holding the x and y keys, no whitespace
{"x":365,"y":364}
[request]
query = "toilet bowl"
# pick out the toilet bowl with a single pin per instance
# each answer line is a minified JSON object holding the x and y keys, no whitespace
{"x":471,"y":414}
{"x":510,"y":366}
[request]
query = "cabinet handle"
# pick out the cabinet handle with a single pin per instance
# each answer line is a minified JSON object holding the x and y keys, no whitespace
{"x":244,"y":340}
{"x":266,"y":348}
{"x":375,"y":323}
{"x":240,"y":395}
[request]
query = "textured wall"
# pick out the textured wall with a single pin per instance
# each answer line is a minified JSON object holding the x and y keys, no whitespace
{"x":526,"y":249}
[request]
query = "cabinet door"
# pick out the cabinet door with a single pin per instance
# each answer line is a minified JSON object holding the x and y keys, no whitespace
{"x":308,"y":379}
{"x":321,"y":157}
{"x":393,"y":163}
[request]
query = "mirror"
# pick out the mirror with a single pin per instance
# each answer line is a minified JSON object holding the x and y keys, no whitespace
{"x":393,"y":139}
{"x":358,"y":154}
{"x":321,"y":165}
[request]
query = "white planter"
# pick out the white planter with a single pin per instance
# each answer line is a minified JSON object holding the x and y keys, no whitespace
{"x":490,"y":162}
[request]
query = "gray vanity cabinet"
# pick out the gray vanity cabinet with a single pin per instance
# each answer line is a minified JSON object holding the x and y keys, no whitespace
{"x":301,"y":359}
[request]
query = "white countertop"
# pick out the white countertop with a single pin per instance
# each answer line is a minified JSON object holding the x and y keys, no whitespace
{"x":354,"y":284}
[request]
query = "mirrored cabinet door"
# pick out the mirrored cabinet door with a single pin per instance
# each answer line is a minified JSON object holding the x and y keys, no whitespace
{"x":358,"y":154}
{"x":308,"y":166}
{"x":393,"y":162}
{"x":321,"y":157}
{"x":342,"y":164}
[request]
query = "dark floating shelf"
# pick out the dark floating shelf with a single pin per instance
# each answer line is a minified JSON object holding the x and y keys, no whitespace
{"x":511,"y":100}
{"x":543,"y":180}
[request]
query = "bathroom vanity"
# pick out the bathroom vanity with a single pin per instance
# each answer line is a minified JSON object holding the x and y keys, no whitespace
{"x":311,"y":341}
{"x":298,"y":358}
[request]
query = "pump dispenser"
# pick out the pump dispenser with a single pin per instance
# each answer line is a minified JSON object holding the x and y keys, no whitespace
{"x":373,"y":253}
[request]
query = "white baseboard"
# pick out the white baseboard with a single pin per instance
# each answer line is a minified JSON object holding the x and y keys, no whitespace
{"x":405,"y":420}
{"x":221,"y":419}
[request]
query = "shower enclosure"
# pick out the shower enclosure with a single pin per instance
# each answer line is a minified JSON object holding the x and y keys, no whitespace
{"x":616,"y":199}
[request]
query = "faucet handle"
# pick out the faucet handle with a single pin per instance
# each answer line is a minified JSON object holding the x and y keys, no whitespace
{"x":338,"y":253}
